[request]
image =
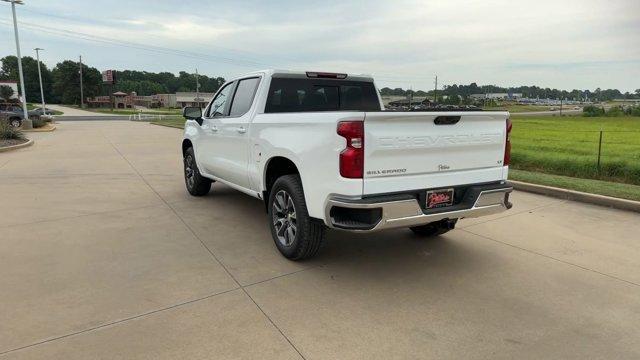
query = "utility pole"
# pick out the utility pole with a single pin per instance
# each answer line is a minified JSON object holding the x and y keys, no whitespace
{"x":435,"y":92}
{"x":26,"y":122}
{"x":197,"y":88}
{"x":81,"y":92}
{"x":44,"y":111}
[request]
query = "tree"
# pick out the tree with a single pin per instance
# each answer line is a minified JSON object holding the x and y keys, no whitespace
{"x":66,"y":82}
{"x":6,"y":93}
{"x":9,"y":71}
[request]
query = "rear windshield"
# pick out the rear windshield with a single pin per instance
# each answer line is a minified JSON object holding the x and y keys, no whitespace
{"x":298,"y":95}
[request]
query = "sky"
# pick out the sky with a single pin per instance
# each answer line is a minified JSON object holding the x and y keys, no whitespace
{"x":563,"y":44}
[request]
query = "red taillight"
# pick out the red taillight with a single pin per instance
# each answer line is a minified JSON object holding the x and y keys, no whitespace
{"x":507,"y":146}
{"x":352,"y":157}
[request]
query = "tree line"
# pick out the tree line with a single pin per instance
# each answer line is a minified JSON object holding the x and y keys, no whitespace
{"x":62,"y":83}
{"x":462,"y":92}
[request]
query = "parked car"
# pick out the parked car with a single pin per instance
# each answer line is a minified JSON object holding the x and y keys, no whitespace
{"x":39,"y":113}
{"x":11,"y":114}
{"x":321,"y":152}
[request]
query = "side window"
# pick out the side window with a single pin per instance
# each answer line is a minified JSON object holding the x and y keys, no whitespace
{"x":217,"y":105}
{"x":243,"y":98}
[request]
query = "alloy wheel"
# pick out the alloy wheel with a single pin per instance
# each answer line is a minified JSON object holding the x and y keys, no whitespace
{"x":284,"y":218}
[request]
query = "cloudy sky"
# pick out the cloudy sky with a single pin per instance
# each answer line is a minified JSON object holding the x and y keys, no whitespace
{"x":560,"y":43}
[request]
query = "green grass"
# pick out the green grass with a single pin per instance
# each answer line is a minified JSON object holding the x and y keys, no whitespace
{"x":624,"y":191}
{"x":133,"y":111}
{"x":569,"y":146}
{"x":176,"y":122}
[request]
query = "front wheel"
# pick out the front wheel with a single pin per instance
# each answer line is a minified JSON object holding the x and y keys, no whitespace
{"x":15,"y":122}
{"x":295,"y":234}
{"x":197,"y":185}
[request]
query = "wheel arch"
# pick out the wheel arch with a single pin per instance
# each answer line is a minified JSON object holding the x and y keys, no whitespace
{"x":186,"y":143}
{"x":276,"y":167}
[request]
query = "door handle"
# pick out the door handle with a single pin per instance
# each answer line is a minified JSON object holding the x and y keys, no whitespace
{"x":241,"y":130}
{"x":213,"y":128}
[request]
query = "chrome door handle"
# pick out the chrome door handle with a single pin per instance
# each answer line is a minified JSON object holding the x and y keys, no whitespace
{"x":241,"y":130}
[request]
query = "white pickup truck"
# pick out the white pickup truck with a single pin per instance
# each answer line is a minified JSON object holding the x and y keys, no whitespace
{"x":321,"y":152}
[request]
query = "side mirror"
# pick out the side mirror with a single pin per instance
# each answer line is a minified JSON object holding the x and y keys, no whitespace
{"x":192,"y":113}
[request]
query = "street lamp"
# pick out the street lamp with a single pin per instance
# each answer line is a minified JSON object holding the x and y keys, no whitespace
{"x":44,"y":111}
{"x":26,"y":123}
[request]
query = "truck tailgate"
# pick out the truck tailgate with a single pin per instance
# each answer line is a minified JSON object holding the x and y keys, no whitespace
{"x":420,"y":150}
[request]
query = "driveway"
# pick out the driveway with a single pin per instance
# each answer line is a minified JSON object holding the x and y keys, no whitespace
{"x":72,"y":111}
{"x":104,"y":255}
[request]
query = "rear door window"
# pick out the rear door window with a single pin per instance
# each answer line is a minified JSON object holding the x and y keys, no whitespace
{"x":245,"y":92}
{"x":304,"y":95}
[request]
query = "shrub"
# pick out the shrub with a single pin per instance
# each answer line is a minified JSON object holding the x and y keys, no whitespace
{"x":632,"y":110}
{"x":615,"y":111}
{"x":592,"y":111}
{"x":38,"y":122}
{"x":8,"y":132}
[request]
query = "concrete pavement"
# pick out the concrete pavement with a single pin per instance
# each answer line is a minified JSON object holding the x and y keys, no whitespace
{"x":104,"y":255}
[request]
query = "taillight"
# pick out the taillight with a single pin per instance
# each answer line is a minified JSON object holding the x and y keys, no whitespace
{"x":352,"y":157}
{"x":507,"y":146}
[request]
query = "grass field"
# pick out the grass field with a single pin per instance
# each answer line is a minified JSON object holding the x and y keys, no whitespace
{"x":607,"y":188}
{"x":176,"y":122}
{"x":569,"y":146}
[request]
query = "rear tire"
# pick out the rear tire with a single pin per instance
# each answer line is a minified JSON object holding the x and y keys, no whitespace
{"x":431,"y":229}
{"x":295,"y":234}
{"x":197,"y":185}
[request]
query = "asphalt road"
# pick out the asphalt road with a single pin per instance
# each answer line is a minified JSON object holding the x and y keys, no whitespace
{"x":104,"y":255}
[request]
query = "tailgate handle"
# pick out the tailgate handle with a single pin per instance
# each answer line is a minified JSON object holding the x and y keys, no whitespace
{"x":446,"y":120}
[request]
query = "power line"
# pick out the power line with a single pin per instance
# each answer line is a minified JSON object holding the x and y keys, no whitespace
{"x":175,"y":52}
{"x":134,"y":45}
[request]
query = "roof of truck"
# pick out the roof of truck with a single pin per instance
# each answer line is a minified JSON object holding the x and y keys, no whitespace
{"x":304,"y":74}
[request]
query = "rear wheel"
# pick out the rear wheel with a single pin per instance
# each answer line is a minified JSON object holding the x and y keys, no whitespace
{"x":434,"y":228}
{"x":295,"y":234}
{"x":197,"y":185}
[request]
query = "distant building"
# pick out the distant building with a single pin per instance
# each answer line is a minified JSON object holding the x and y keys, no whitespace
{"x":165,"y":100}
{"x":122,"y":100}
{"x":189,"y":99}
{"x":13,"y":85}
{"x":496,"y":96}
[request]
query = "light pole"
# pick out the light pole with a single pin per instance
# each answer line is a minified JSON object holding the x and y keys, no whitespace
{"x":44,"y":112}
{"x":81,"y":92}
{"x":26,"y":123}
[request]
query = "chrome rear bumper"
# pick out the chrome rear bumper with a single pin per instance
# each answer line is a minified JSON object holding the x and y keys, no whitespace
{"x":408,"y":212}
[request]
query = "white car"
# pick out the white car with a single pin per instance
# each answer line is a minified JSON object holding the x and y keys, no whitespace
{"x":321,"y":152}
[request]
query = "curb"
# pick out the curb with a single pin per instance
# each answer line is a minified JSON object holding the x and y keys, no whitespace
{"x":15,"y":147}
{"x":166,"y":125}
{"x":50,"y":128}
{"x":608,"y":201}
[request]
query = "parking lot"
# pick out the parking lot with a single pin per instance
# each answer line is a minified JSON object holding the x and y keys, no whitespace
{"x":104,"y":255}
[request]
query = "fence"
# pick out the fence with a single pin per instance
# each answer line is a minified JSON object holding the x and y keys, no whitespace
{"x":597,"y":154}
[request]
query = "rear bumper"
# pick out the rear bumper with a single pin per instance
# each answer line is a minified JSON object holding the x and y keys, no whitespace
{"x":404,"y":210}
